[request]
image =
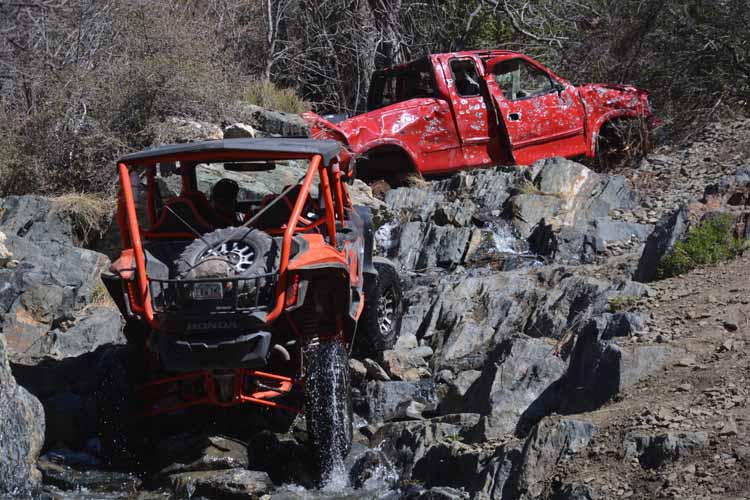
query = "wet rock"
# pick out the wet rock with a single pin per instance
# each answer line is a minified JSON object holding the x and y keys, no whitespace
{"x":21,"y":432}
{"x":372,"y":466}
{"x":654,"y":450}
{"x":224,"y":484}
{"x":68,"y":478}
{"x":385,"y":398}
{"x":406,"y":443}
{"x":407,"y":365}
{"x":191,"y":452}
{"x":283,"y":456}
{"x":668,"y":231}
{"x":550,"y":441}
{"x":438,"y":493}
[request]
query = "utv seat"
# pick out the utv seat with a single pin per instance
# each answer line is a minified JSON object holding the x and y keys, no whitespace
{"x":169,"y":226}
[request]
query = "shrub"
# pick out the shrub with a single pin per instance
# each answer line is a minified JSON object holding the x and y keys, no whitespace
{"x":90,"y":214}
{"x":621,"y":303}
{"x":710,"y":242}
{"x":267,"y":95}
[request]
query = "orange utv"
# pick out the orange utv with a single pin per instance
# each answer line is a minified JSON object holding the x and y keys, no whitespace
{"x":251,"y":285}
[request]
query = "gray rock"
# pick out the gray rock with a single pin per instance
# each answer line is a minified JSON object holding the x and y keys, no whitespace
{"x":518,"y":386}
{"x":268,"y":121}
{"x":654,"y":450}
{"x":599,"y":369}
{"x":372,"y":466}
{"x":406,"y":443}
{"x":385,"y":398}
{"x":21,"y":433}
{"x":406,"y":365}
{"x":97,"y":326}
{"x":222,"y":484}
{"x":529,"y":209}
{"x":624,"y":324}
{"x":439,"y":493}
{"x":36,"y":219}
{"x":551,"y":440}
{"x":358,"y":369}
{"x":175,"y":129}
{"x":283,"y":457}
{"x":5,"y":255}
{"x":199,"y":452}
{"x":238,"y":131}
{"x":375,"y":371}
{"x":668,"y":231}
{"x":574,"y":492}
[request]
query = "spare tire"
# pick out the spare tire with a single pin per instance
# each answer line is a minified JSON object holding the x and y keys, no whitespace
{"x":228,"y":253}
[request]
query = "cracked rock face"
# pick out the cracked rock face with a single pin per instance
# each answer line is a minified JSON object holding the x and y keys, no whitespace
{"x":21,"y":433}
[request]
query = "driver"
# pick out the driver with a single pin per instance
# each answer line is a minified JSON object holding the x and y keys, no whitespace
{"x":224,"y":202}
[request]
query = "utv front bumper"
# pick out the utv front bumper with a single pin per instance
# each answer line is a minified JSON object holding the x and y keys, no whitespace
{"x":211,"y":351}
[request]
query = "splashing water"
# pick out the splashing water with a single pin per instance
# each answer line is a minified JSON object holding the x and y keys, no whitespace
{"x":384,"y":237}
{"x":503,"y":238}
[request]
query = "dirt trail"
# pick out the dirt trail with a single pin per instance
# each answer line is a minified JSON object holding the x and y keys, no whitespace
{"x":705,"y":316}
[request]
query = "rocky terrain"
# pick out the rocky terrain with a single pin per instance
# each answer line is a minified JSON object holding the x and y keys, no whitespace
{"x":537,"y":358}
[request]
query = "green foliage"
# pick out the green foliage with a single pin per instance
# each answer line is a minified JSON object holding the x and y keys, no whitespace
{"x":710,"y":242}
{"x":622,"y":303}
{"x":267,"y":95}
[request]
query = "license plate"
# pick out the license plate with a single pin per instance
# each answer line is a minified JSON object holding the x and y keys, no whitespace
{"x":207,"y":291}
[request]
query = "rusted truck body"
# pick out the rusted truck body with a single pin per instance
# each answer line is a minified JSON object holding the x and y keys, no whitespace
{"x":460,"y":110}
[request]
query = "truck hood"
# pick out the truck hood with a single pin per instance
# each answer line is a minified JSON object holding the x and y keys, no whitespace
{"x":605,"y":96}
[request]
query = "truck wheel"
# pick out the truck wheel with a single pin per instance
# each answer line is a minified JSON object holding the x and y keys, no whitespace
{"x":238,"y":252}
{"x":381,"y":318}
{"x":328,"y":406}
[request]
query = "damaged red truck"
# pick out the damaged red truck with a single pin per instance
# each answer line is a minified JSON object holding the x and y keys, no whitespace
{"x":460,"y":110}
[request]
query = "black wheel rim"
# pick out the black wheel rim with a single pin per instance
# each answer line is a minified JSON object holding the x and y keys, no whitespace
{"x":240,"y":255}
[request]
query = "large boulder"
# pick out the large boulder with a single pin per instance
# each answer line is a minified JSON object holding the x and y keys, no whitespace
{"x":672,"y":228}
{"x":21,"y":433}
{"x":406,"y":443}
{"x":517,"y":387}
{"x":550,"y":441}
{"x":269,"y":122}
{"x":600,"y":369}
{"x":385,"y":401}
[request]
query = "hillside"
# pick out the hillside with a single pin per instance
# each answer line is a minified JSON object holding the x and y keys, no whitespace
{"x":529,"y":365}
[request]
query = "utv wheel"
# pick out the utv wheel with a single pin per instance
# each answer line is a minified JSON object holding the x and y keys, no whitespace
{"x":238,"y":251}
{"x":328,"y":406}
{"x":381,"y":318}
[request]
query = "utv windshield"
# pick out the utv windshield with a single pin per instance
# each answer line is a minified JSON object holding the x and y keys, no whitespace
{"x":401,"y":84}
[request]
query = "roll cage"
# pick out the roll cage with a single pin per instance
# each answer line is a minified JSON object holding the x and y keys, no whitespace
{"x":323,"y":165}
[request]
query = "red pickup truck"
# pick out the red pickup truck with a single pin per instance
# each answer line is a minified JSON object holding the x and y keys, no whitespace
{"x":446,"y":112}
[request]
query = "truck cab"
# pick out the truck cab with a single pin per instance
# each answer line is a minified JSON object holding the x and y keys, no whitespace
{"x":460,"y":110}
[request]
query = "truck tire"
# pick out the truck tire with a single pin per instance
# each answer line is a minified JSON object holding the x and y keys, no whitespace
{"x":240,"y":252}
{"x":381,"y":318}
{"x":328,"y":406}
